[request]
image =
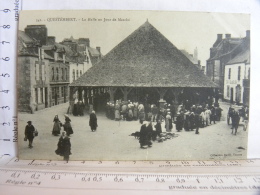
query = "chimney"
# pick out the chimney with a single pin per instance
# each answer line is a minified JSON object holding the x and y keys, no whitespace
{"x":248,"y":34}
{"x":99,"y":49}
{"x":50,"y":40}
{"x":38,"y":32}
{"x":84,"y":41}
{"x":219,"y":37}
{"x":228,"y":36}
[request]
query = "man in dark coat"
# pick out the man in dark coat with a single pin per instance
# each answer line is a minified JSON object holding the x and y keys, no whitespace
{"x":29,"y":133}
{"x":197,"y":122}
{"x":158,"y":128}
{"x":64,"y":146}
{"x":145,"y":135}
{"x":93,"y":121}
{"x":235,"y":121}
{"x":179,"y":121}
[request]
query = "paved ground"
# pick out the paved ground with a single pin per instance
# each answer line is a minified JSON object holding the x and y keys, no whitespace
{"x":111,"y":141}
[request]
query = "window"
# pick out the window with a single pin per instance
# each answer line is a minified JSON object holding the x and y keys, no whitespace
{"x":80,"y":73}
{"x":65,"y":92}
{"x":58,"y":92}
{"x":57,"y":72}
{"x":43,"y":72}
{"x":62,"y":74}
{"x":77,"y":74}
{"x":73,"y":75}
{"x":53,"y":91}
{"x":248,"y":73}
{"x":64,"y":59}
{"x":239,"y":73}
{"x":65,"y":74}
{"x":62,"y":91}
{"x":229,"y":73}
{"x":55,"y":56}
{"x":41,"y":94}
{"x":37,"y":75}
{"x":36,"y":95}
{"x":228,"y":89}
{"x":53,"y":74}
{"x":42,"y":53}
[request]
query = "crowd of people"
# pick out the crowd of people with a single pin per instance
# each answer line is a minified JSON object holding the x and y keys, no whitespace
{"x":78,"y":108}
{"x":184,"y":117}
{"x":235,"y":114}
{"x":150,"y":117}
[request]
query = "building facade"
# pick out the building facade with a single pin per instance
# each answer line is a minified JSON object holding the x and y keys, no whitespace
{"x":43,"y":70}
{"x":237,"y":78}
{"x":222,"y":51}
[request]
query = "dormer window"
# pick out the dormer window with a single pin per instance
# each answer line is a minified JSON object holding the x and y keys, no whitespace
{"x":57,"y":72}
{"x":64,"y":59}
{"x":55,"y":56}
{"x":42,"y":54}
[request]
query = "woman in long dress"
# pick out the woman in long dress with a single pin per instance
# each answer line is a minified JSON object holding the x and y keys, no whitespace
{"x":56,"y":126}
{"x":67,"y":126}
{"x":168,"y":122}
{"x":93,"y":121}
{"x":117,"y":111}
{"x":64,"y":146}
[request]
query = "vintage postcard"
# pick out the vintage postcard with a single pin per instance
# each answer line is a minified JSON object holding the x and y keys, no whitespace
{"x":133,"y":85}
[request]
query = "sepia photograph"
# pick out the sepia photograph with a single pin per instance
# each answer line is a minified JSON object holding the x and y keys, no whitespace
{"x":133,"y":85}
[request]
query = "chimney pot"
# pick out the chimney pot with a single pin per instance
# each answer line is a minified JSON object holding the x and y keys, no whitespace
{"x":219,"y":36}
{"x":228,"y":36}
{"x":51,"y":40}
{"x":99,"y":49}
{"x":248,"y":33}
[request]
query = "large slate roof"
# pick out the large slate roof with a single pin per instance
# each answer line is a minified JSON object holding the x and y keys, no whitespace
{"x":144,"y":59}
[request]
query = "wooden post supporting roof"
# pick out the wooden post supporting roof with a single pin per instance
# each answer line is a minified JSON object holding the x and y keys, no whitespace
{"x":162,"y":92}
{"x":125,"y":91}
{"x":111,"y":91}
{"x":72,"y":99}
{"x":80,"y":93}
{"x":176,"y":92}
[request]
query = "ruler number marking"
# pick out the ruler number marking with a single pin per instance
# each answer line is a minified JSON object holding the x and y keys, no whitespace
{"x":6,"y":26}
{"x":6,"y":10}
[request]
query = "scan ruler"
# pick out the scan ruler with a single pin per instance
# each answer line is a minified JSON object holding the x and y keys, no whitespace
{"x":8,"y":32}
{"x":241,"y":176}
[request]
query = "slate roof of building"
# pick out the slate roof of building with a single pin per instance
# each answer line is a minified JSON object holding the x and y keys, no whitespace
{"x":26,"y":45}
{"x":94,"y":52}
{"x":219,"y":51}
{"x":194,"y":61}
{"x":244,"y":55}
{"x":145,"y":59}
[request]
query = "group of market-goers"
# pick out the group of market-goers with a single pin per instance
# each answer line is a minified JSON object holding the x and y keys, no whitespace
{"x":78,"y":108}
{"x":64,"y":144}
{"x":184,"y":117}
{"x":235,"y":115}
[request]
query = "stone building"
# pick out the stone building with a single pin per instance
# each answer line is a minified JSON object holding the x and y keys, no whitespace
{"x":222,"y":51}
{"x":33,"y":78}
{"x":237,"y":77}
{"x":144,"y":67}
{"x":43,"y":70}
{"x":84,"y":56}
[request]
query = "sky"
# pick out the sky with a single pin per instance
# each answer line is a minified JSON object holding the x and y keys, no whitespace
{"x":186,"y":30}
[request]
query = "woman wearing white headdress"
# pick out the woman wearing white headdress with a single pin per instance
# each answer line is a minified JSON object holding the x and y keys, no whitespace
{"x":56,"y":126}
{"x":64,"y":146}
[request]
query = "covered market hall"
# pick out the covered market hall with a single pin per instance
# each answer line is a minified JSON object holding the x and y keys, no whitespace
{"x":145,"y":67}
